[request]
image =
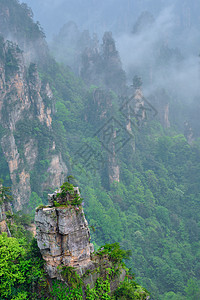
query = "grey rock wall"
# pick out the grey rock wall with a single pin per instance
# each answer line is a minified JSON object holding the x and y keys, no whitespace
{"x":63,"y":238}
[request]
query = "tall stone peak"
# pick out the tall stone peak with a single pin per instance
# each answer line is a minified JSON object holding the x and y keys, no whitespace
{"x":17,"y":24}
{"x":101,"y":65}
{"x":69,"y":30}
{"x":144,"y":22}
{"x":109,"y":47}
{"x":69,"y":45}
{"x":96,"y":62}
{"x":63,"y":238}
{"x":26,"y":104}
{"x":63,"y":234}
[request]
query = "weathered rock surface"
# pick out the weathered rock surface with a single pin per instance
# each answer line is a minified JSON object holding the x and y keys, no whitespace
{"x":25,"y":103}
{"x":63,"y":238}
{"x":4,"y":228}
{"x":16,"y":24}
{"x":188,"y":132}
{"x":4,"y":208}
{"x":57,"y":171}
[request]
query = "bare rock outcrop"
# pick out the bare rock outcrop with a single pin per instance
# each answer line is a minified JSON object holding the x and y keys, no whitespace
{"x":63,"y":237}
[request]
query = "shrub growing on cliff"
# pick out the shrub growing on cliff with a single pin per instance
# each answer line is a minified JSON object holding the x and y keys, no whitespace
{"x":71,"y":277}
{"x":68,"y":189}
{"x":129,"y":289}
{"x":100,"y":291}
{"x":5,"y":194}
{"x":114,"y":252}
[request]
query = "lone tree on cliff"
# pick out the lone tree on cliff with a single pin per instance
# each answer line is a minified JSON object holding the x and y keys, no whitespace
{"x":5,"y":194}
{"x":137,"y":82}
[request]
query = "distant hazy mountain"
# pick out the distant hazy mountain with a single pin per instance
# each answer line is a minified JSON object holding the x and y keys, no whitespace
{"x":114,"y":15}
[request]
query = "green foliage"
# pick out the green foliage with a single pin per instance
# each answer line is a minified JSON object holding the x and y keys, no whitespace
{"x":129,"y":290}
{"x":71,"y":277}
{"x":62,"y":292}
{"x":17,"y":224}
{"x":20,"y":21}
{"x":153,"y":210}
{"x":20,"y":296}
{"x":4,"y":169}
{"x":20,"y":268}
{"x":34,"y":202}
{"x":5,"y":194}
{"x":22,"y":219}
{"x":62,"y":112}
{"x":114,"y":253}
{"x":100,"y":291}
{"x":11,"y":273}
{"x":56,"y":204}
{"x":11,"y":60}
{"x":193,"y":290}
{"x":68,"y":189}
{"x":173,"y":296}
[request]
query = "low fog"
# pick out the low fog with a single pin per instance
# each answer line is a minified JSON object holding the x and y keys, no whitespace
{"x":161,"y":56}
{"x":108,"y":15}
{"x":156,"y":39}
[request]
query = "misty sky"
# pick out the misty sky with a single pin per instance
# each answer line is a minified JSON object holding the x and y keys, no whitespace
{"x":177,"y":23}
{"x":115,"y":15}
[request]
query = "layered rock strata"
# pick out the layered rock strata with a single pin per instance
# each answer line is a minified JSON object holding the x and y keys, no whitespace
{"x":63,"y":238}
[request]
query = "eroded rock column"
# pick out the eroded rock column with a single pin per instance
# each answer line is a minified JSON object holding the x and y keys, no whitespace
{"x":63,"y":238}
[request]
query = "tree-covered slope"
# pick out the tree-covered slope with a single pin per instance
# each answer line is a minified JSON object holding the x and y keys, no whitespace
{"x":154,"y":208}
{"x":139,"y":181}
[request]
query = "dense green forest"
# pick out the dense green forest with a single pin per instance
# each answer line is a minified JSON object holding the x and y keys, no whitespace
{"x":154,"y":208}
{"x":23,"y":277}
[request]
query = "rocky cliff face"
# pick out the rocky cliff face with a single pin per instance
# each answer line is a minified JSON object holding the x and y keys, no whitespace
{"x":101,"y":105}
{"x":4,"y":208}
{"x":63,"y":237}
{"x":102,"y":65}
{"x":188,"y":132}
{"x":25,"y":105}
{"x":16,"y":24}
{"x":96,"y":63}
